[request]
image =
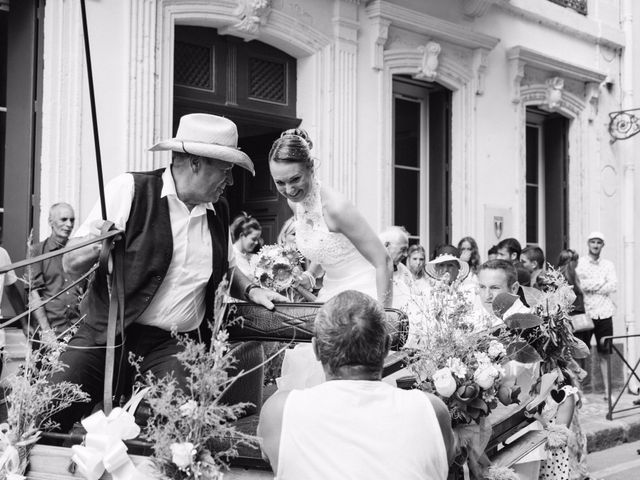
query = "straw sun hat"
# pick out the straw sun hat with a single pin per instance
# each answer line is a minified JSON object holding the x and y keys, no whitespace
{"x":430,"y":267}
{"x":208,"y":136}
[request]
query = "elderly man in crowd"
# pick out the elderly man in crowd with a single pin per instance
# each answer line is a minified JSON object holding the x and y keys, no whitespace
{"x":599,"y":282}
{"x":177,"y":251}
{"x":396,"y":241}
{"x":354,"y":425}
{"x":48,"y":278}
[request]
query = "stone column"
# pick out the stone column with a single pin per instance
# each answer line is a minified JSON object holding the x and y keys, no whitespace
{"x":342,"y":156}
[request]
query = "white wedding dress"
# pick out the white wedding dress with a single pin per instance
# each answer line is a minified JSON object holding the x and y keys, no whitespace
{"x":345,"y":269}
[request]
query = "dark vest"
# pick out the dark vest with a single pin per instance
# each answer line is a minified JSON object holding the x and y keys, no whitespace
{"x":148,"y":252}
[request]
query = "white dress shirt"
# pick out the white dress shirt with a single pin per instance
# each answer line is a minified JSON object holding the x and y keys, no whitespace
{"x":598,"y":282}
{"x":180,"y":299}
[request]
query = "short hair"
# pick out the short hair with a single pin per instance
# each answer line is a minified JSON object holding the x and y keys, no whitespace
{"x":243,"y":225}
{"x":293,"y":146}
{"x":351,"y":330}
{"x":393,"y":234}
{"x":288,"y":228}
{"x":535,"y":254}
{"x":512,"y":245}
{"x":57,"y":205}
{"x":493,"y":250}
{"x":505,"y":265}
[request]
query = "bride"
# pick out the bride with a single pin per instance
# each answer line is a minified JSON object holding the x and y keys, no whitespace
{"x":330,"y":232}
{"x":333,"y":236}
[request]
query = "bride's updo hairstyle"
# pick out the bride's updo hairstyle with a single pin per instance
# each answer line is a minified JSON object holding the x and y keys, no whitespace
{"x":293,"y":146}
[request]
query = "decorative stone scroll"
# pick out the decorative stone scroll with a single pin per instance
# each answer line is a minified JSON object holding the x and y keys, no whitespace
{"x":252,"y":14}
{"x":555,"y":86}
{"x":428,"y":69}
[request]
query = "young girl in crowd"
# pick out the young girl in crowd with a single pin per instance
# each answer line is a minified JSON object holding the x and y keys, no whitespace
{"x":566,"y":443}
{"x":246,"y":234}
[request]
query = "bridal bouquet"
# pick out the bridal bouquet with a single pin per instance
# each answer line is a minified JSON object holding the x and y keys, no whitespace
{"x":278,"y":267}
{"x":455,"y":358}
{"x":189,"y":428}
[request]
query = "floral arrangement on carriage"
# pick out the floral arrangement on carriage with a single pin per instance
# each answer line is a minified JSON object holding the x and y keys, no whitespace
{"x":455,"y":356}
{"x":32,"y":401}
{"x":190,"y":430}
{"x":278,"y":267}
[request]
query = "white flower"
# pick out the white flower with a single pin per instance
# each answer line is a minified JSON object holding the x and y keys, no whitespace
{"x":456,"y":366}
{"x":444,"y":382}
{"x":189,"y":409}
{"x":182,"y":454}
{"x":496,"y":349}
{"x":482,"y":358}
{"x":486,"y":375}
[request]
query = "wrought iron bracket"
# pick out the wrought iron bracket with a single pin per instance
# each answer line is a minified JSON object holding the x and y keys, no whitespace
{"x":623,"y":124}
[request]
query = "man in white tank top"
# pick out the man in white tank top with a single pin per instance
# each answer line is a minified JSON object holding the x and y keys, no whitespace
{"x":354,"y":426}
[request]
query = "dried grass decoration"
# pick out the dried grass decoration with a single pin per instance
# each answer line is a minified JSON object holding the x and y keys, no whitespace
{"x":187,"y":426}
{"x":32,"y":401}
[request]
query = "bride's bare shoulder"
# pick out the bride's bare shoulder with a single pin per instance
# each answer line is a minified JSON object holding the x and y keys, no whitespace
{"x":333,"y":202}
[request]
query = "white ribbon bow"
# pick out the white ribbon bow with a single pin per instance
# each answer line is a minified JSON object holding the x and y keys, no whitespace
{"x":104,"y":448}
{"x":10,"y":458}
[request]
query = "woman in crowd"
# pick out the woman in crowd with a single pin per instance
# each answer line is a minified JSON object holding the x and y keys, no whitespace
{"x":470,"y":253}
{"x":333,"y":236}
{"x":416,"y":259}
{"x":287,"y":235}
{"x":330,"y":232}
{"x":567,"y":262}
{"x":246,"y":233}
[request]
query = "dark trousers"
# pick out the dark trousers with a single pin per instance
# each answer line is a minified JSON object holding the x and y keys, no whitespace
{"x":84,"y":362}
{"x":157,"y":348}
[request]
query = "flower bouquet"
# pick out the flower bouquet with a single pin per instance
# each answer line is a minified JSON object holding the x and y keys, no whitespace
{"x":188,"y":425}
{"x":546,"y":334}
{"x":277,"y":267}
{"x":32,"y":401}
{"x":456,"y":357}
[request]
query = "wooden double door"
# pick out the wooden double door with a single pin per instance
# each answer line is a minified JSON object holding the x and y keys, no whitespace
{"x":252,"y":84}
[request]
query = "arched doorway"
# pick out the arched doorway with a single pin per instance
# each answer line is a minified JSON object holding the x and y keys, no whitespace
{"x":252,"y":84}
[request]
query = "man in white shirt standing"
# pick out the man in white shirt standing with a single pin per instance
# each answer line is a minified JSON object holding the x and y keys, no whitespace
{"x":177,"y":250}
{"x":599,"y":282}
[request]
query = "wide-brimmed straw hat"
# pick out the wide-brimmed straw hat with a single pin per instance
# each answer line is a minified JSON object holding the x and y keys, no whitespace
{"x":430,"y":267}
{"x":208,"y":136}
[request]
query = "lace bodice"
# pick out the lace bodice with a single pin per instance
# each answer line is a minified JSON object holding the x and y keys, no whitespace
{"x":313,"y":238}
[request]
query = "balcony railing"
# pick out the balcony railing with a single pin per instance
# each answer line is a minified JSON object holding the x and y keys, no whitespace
{"x":579,"y":6}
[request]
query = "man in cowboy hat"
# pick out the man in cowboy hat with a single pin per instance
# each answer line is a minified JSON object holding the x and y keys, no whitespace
{"x":176,"y":252}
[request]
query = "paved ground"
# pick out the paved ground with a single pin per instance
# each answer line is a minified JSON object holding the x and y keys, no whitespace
{"x":617,"y":463}
{"x":603,"y":433}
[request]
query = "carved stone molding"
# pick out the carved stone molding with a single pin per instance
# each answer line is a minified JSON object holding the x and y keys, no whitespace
{"x":477,"y":8}
{"x":251,"y":15}
{"x":428,"y":68}
{"x":385,"y":14}
{"x":519,"y":57}
{"x":381,"y":27}
{"x":592,"y":96}
{"x":480,"y":64}
{"x":555,"y":86}
{"x":516,"y":74}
